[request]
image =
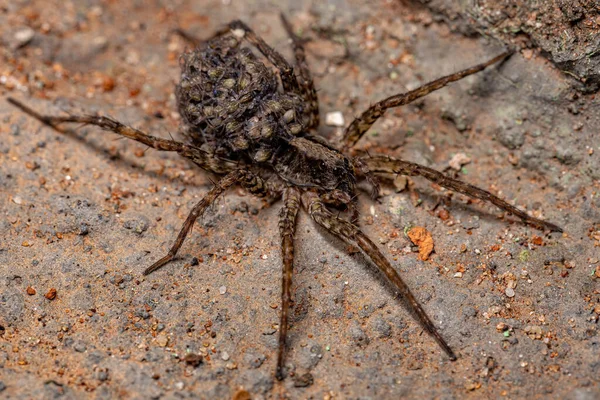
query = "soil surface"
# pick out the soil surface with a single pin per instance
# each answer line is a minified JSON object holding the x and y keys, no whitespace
{"x":83,"y":214}
{"x":567,"y":32}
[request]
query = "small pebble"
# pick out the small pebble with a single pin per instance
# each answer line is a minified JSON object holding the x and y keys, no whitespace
{"x":80,"y":347}
{"x":334,"y":118}
{"x":510,"y":292}
{"x":31,"y":291}
{"x":222,"y":290}
{"x":242,"y":395}
{"x":162,"y":340}
{"x":400,"y":183}
{"x":231,"y":366}
{"x":193,"y":359}
{"x":458,"y":161}
{"x":303,"y":380}
{"x":51,"y":295}
{"x":22,"y":37}
{"x":225,"y":356}
{"x":501,"y":327}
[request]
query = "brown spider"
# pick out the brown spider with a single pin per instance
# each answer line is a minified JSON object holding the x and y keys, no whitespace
{"x":259,"y":131}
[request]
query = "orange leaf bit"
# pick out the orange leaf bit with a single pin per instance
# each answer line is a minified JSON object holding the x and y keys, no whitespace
{"x":422,"y":238}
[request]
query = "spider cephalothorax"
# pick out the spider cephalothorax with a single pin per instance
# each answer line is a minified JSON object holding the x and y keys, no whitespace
{"x":257,"y":128}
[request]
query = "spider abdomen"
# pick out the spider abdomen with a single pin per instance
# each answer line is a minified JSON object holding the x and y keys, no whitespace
{"x":231,"y":104}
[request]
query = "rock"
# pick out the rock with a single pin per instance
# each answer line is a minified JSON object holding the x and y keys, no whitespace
{"x":138,"y":224}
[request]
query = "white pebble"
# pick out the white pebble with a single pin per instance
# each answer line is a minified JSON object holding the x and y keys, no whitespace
{"x":223,"y":290}
{"x":334,"y":118}
{"x":224,"y":356}
{"x":23,"y":36}
{"x":510,"y":292}
{"x":458,"y":161}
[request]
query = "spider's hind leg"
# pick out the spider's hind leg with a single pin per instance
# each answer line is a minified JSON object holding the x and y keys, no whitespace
{"x":390,"y":165}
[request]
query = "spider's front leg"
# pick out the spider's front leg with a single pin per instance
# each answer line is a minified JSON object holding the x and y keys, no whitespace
{"x":361,"y":124}
{"x":287,"y":227}
{"x":250,"y":181}
{"x":390,"y":165}
{"x":352,"y":234}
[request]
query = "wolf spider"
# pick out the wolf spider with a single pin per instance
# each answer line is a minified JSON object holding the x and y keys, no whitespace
{"x":258,"y":129}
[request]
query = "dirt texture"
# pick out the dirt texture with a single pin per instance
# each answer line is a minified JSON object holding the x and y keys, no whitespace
{"x":567,"y":32}
{"x":83,"y":214}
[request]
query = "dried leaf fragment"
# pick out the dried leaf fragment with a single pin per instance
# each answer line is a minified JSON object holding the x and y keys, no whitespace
{"x":422,"y":238}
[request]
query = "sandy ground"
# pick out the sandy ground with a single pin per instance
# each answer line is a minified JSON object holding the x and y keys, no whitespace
{"x":83,"y":214}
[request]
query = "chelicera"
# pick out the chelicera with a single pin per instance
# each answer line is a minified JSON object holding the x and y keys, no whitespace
{"x":258,"y":129}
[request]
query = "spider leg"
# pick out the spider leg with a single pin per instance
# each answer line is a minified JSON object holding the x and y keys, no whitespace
{"x":188,"y":37}
{"x":105,"y":123}
{"x":288,"y":79}
{"x":351,"y":234}
{"x":202,"y":158}
{"x":363,"y":170}
{"x":338,"y":198}
{"x":307,"y":85}
{"x":253,"y":183}
{"x":393,"y":166}
{"x":287,"y":225}
{"x":360,"y":125}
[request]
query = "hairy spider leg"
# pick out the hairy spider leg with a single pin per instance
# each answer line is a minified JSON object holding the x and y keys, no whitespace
{"x":287,"y":227}
{"x":305,"y":80}
{"x":339,"y":199}
{"x":188,"y":37}
{"x":105,"y":123}
{"x":370,"y":177}
{"x":390,"y":165}
{"x":352,"y":234}
{"x":360,"y":125}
